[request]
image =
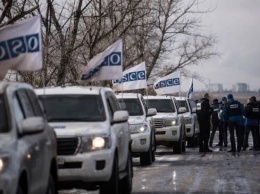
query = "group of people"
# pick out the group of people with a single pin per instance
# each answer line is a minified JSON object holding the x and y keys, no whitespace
{"x":228,"y":115}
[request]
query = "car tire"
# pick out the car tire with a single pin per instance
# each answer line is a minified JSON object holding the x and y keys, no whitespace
{"x":146,"y":158}
{"x":51,"y":188}
{"x":177,"y":147}
{"x":126,"y":184}
{"x":112,"y":186}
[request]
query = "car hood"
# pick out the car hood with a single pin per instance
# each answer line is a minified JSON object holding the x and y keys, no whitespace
{"x":160,"y":115}
{"x":134,"y":120}
{"x":187,"y":114}
{"x":80,"y":128}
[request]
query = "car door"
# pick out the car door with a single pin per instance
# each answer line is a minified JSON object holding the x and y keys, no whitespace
{"x":192,"y":105}
{"x":120,"y":128}
{"x":35,"y":145}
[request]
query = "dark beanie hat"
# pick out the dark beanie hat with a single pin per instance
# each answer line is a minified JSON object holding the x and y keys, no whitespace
{"x":224,"y":99}
{"x":253,"y":98}
{"x":215,"y":100}
{"x":229,"y":96}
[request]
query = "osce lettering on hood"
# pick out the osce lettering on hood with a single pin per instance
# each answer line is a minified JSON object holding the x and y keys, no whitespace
{"x":132,"y":76}
{"x":168,"y":83}
{"x":13,"y":47}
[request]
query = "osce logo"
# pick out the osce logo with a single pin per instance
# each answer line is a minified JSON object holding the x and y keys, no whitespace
{"x":113,"y":59}
{"x":24,"y":44}
{"x":132,"y":76}
{"x":167,"y":83}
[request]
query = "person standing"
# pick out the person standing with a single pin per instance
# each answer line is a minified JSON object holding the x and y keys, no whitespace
{"x":204,"y":112}
{"x":223,"y":125}
{"x":251,"y":123}
{"x":214,"y":121}
{"x":233,"y":113}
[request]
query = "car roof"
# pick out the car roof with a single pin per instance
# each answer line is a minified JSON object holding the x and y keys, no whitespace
{"x":90,"y":90}
{"x":128,"y":95}
{"x":180,"y":98}
{"x":5,"y":84}
{"x":157,"y":97}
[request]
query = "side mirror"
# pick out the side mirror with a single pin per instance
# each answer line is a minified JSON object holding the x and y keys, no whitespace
{"x":33,"y":125}
{"x":182,"y":110}
{"x":120,"y":116}
{"x":194,"y":110}
{"x":151,"y":112}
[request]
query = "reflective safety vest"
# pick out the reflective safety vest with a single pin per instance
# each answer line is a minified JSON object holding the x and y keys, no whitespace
{"x":233,"y":109}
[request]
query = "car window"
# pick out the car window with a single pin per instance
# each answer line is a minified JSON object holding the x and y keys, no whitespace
{"x":161,"y":105}
{"x":69,"y":108}
{"x":25,"y":103}
{"x":183,"y":103}
{"x":3,"y":116}
{"x":132,"y":105}
{"x":192,"y":103}
{"x":35,"y":103}
{"x":18,"y":113}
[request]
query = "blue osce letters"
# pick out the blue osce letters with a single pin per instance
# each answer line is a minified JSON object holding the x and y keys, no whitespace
{"x":167,"y":83}
{"x":113,"y":59}
{"x":132,"y":76}
{"x":24,"y":44}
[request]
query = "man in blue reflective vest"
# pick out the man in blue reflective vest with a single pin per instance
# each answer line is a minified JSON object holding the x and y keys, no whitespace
{"x":233,"y":113}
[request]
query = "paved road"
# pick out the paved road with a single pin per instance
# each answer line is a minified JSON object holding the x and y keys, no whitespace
{"x":193,"y":172}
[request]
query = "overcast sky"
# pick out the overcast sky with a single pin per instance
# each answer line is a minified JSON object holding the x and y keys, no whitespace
{"x":236,"y":24}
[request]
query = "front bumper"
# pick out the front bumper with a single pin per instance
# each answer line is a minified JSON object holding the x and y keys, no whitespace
{"x":140,"y":142}
{"x":170,"y":134}
{"x":8,"y":183}
{"x":92,"y":166}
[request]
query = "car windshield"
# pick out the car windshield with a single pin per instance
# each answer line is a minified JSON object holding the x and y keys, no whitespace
{"x":3,"y":116}
{"x":69,"y":108}
{"x":133,"y":106}
{"x":183,"y":103}
{"x":161,"y":105}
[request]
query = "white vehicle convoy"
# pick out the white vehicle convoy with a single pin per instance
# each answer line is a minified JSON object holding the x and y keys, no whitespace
{"x":28,"y":156}
{"x":94,"y":144}
{"x":141,"y":127}
{"x":190,"y":120}
{"x":168,"y":122}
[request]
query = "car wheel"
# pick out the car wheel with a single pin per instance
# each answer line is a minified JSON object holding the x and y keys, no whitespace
{"x":146,"y":158}
{"x":51,"y":189}
{"x":127,"y":182}
{"x":112,"y":186}
{"x":20,"y":190}
{"x":177,"y":147}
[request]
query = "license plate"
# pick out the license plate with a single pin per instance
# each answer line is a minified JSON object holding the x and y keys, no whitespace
{"x":61,"y":161}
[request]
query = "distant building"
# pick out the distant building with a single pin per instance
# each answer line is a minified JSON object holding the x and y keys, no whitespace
{"x":240,"y":87}
{"x":215,"y":87}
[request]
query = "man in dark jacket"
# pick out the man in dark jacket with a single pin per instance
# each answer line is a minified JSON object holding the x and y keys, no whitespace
{"x":251,"y":123}
{"x":233,"y":112}
{"x":204,"y":112}
{"x":223,"y":125}
{"x":214,"y":121}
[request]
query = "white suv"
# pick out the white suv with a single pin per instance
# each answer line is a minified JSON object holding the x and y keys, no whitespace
{"x":190,"y":119}
{"x":94,"y":145}
{"x":142,"y":130}
{"x":168,"y":122}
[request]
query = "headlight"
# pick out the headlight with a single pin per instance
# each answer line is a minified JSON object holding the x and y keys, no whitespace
{"x":170,"y":122}
{"x":92,"y":143}
{"x":3,"y":163}
{"x":138,"y":128}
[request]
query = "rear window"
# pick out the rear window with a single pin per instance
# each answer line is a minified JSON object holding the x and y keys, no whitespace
{"x":133,"y":106}
{"x":161,"y":105}
{"x":3,"y":116}
{"x":70,"y":108}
